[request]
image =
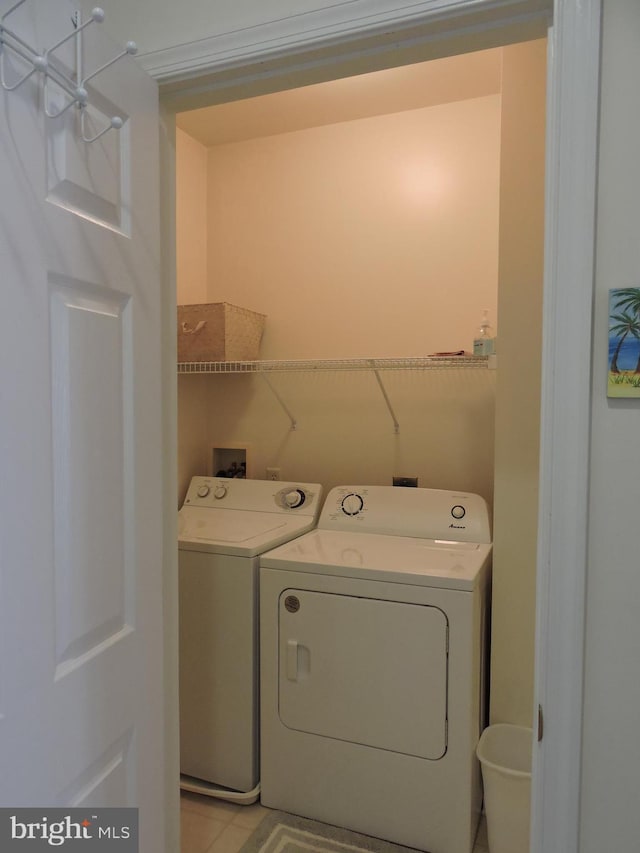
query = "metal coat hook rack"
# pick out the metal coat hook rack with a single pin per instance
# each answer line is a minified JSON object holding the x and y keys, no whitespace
{"x":74,"y":86}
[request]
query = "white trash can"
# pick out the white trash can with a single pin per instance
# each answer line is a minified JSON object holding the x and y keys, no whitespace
{"x":504,"y":752}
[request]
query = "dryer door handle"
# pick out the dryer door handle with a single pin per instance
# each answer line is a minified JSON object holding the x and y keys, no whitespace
{"x":298,"y":664}
{"x":292,"y":660}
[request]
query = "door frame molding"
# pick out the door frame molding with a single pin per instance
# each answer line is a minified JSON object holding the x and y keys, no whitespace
{"x":325,"y":45}
{"x":337,"y":30}
{"x":573,"y":70}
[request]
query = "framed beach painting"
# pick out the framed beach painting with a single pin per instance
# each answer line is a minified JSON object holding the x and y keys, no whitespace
{"x":624,"y":342}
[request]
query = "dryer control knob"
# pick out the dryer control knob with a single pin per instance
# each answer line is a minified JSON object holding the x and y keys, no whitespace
{"x":220,"y":492}
{"x":352,"y":504}
{"x":295,"y":498}
{"x":203,"y":491}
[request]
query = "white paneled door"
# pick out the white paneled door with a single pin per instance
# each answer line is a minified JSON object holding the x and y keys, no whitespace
{"x":80,"y":433}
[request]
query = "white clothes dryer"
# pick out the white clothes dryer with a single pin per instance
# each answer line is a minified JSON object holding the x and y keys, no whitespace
{"x":373,"y":630}
{"x":223,"y":527}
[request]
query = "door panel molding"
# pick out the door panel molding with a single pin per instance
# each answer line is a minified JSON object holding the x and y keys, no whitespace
{"x":113,"y":769}
{"x":90,"y":348}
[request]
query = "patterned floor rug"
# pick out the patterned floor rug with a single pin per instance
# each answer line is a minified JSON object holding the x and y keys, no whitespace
{"x":281,"y":832}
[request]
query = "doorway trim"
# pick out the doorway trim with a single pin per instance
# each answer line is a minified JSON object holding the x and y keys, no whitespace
{"x":445,"y":27}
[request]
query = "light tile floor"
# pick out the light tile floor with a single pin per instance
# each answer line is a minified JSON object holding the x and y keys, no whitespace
{"x":212,"y":826}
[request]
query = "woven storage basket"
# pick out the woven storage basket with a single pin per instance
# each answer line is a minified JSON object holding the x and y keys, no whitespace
{"x":218,"y":331}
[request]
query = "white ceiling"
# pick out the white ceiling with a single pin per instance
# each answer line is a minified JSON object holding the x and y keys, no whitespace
{"x":410,"y":87}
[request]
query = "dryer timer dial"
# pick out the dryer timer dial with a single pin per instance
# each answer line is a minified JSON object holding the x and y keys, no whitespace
{"x":352,"y":504}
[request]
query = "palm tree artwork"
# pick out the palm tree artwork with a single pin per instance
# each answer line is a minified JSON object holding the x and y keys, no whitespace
{"x":624,"y":342}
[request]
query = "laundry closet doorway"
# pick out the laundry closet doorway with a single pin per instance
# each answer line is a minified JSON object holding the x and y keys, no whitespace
{"x":377,"y":216}
{"x":555,"y":225}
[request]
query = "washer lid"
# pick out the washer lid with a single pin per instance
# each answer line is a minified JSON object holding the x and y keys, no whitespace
{"x":236,"y":532}
{"x":396,"y":559}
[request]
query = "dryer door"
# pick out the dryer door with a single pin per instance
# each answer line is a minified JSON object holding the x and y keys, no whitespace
{"x":363,"y":670}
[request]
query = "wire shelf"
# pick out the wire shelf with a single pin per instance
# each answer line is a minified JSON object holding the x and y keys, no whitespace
{"x":353,"y":364}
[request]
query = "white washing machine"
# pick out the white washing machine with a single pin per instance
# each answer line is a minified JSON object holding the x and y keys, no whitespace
{"x":223,"y":527}
{"x":373,"y":631}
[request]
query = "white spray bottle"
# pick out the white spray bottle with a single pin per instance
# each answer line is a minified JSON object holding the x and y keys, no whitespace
{"x":484,"y":342}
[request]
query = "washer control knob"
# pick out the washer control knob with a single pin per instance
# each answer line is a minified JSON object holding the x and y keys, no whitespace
{"x":220,"y":492}
{"x":458,"y":512}
{"x":352,"y":504}
{"x":203,"y":491}
{"x":294,"y":498}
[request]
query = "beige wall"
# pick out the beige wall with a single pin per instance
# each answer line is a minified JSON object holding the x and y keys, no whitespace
{"x":345,"y":433}
{"x":375,"y":237}
{"x":191,"y":265}
{"x":518,"y":385}
{"x":191,"y":219}
{"x":367,"y":238}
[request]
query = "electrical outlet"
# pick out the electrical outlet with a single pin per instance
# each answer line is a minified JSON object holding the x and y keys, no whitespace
{"x":406,"y":481}
{"x":273,"y":473}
